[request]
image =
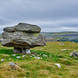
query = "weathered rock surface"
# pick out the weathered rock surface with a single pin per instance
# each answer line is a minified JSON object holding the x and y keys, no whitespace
{"x":24,"y":27}
{"x":22,"y":36}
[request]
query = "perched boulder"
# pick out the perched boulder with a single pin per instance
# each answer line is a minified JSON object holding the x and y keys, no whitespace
{"x":22,"y":36}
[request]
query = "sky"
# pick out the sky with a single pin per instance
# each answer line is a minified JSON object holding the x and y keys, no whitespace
{"x":50,"y":15}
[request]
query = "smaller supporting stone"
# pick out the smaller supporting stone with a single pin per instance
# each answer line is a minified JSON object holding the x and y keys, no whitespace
{"x":17,"y":50}
{"x":21,"y":50}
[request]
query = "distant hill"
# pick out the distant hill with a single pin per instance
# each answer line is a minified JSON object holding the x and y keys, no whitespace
{"x":61,"y":36}
{"x":0,"y":35}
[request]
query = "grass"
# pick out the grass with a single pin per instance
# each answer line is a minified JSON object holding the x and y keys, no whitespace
{"x":41,"y":62}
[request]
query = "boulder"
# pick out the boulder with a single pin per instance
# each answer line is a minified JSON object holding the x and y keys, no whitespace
{"x":22,"y":36}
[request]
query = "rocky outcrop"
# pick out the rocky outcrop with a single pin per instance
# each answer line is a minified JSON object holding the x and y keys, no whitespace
{"x":22,"y":36}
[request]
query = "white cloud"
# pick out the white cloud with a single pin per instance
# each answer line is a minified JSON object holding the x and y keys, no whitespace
{"x":50,"y":15}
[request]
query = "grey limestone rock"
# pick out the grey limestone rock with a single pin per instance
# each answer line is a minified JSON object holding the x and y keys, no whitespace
{"x":22,"y":36}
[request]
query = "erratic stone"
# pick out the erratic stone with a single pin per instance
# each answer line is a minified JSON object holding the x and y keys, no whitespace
{"x":22,"y":36}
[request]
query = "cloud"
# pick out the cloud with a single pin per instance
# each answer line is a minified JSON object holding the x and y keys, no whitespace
{"x":50,"y":15}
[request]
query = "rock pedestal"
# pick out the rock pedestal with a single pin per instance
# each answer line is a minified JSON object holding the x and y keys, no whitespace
{"x":21,"y":50}
{"x":22,"y":37}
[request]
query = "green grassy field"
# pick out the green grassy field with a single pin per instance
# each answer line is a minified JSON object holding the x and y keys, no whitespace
{"x":41,"y":62}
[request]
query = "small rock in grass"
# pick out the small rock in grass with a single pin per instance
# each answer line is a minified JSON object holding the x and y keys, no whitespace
{"x":14,"y":66}
{"x":13,"y":54}
{"x":28,"y":51}
{"x":37,"y":58}
{"x":58,"y":65}
{"x":18,"y":57}
{"x":44,"y":55}
{"x":74,"y":54}
{"x":63,"y":49}
{"x":23,"y":55}
{"x":2,"y":60}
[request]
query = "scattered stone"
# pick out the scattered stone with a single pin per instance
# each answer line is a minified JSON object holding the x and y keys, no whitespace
{"x":58,"y":65}
{"x":13,"y":54}
{"x":23,"y":55}
{"x":22,"y":37}
{"x":44,"y":55}
{"x":18,"y":57}
{"x":74,"y":54}
{"x":37,"y":57}
{"x":65,"y":49}
{"x":15,"y":66}
{"x":2,"y":60}
{"x":12,"y":64}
